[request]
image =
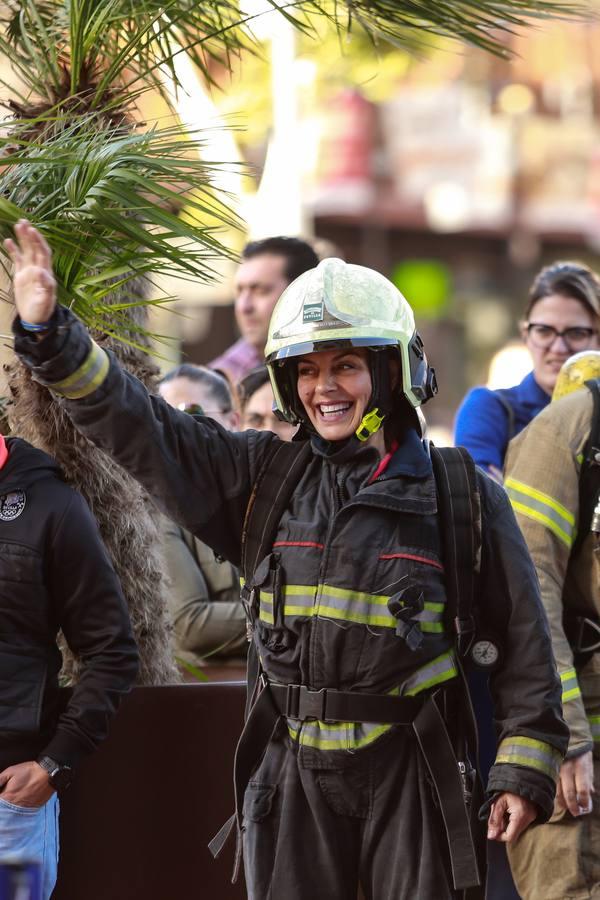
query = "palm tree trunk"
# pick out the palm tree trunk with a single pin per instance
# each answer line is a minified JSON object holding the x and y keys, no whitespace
{"x":125,"y":514}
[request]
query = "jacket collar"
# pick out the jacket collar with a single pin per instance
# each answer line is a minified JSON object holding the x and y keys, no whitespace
{"x":411,"y":458}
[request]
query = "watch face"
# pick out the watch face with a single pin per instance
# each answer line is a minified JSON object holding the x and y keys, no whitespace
{"x":60,"y":778}
{"x":485,"y":653}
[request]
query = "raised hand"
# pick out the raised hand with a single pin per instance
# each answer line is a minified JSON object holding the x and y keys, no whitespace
{"x":33,"y":281}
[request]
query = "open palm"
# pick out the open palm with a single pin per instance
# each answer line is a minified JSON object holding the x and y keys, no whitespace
{"x":34,"y":282}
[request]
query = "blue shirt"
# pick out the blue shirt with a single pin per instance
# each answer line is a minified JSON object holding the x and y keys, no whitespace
{"x":483,"y":425}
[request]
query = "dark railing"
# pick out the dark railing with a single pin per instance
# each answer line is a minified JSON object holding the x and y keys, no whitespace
{"x":137,"y":819}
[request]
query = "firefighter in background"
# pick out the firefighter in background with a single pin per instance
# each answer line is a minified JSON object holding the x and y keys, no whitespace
{"x":553,"y":480}
{"x":347,"y":606}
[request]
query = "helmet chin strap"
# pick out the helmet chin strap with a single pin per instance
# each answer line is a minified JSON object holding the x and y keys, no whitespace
{"x":370,"y":424}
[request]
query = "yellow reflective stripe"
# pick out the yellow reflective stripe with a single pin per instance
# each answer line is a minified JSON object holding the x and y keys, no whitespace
{"x":541,"y":508}
{"x":430,"y":620}
{"x":441,"y":669}
{"x":595,"y":727}
{"x":337,"y":603}
{"x":570,"y":685}
{"x":322,"y":742}
{"x":354,"y":735}
{"x":524,"y":751}
{"x":87,"y":378}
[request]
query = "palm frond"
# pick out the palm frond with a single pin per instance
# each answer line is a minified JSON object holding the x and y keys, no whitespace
{"x":108,"y":201}
{"x":481,"y":23}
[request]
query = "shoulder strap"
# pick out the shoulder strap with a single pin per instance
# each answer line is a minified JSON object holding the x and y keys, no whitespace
{"x":502,"y":395}
{"x":270,"y":496}
{"x":589,"y":479}
{"x":460,"y":527}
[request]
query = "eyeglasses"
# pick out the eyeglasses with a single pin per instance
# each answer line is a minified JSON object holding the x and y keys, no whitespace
{"x":576,"y":338}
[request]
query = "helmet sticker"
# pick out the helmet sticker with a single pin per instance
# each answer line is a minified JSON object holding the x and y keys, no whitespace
{"x":313,"y":310}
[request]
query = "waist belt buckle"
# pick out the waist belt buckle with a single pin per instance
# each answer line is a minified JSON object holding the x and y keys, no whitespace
{"x":314,"y":705}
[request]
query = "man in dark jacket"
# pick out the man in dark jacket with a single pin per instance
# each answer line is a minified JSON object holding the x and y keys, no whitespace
{"x":54,"y":574}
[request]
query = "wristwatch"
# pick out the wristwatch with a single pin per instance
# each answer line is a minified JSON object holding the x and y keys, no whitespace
{"x":59,"y":776}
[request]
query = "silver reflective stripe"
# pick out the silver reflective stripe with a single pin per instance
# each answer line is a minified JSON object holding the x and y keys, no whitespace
{"x":266,"y":608}
{"x":524,"y":751}
{"x":542,"y":508}
{"x":436,"y":672}
{"x":87,"y":378}
{"x":570,"y":685}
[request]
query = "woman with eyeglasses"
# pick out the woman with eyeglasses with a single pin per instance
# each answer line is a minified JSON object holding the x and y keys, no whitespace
{"x":562,"y":318}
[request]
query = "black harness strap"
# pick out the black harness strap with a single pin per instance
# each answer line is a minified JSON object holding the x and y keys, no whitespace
{"x":437,"y":750}
{"x":272,"y":490}
{"x":295,"y":701}
{"x":460,"y":520}
{"x":459,"y":511}
{"x":589,"y":478}
{"x":583,"y":630}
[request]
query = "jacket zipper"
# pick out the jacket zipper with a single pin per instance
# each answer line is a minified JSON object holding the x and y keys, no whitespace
{"x":337,"y":498}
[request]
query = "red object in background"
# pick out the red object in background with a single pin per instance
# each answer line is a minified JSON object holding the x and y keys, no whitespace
{"x":349,"y":140}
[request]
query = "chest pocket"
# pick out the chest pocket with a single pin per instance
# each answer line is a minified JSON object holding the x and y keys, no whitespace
{"x":413,"y":580}
{"x":270,"y":599}
{"x":20,"y":564}
{"x":22,"y":682}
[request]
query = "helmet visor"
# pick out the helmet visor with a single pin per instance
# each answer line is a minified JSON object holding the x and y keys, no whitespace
{"x":304,"y":347}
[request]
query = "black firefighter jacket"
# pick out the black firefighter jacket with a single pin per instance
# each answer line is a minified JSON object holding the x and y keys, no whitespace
{"x":55,"y":574}
{"x":344,"y":550}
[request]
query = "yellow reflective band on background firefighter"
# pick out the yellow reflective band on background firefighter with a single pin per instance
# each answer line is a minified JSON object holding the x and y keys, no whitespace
{"x":86,"y":378}
{"x":524,"y":751}
{"x":542,"y":508}
{"x":595,"y":728}
{"x":354,"y":735}
{"x":349,"y":606}
{"x":570,"y":685}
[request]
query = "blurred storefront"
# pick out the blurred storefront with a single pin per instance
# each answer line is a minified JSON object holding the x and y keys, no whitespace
{"x":456,"y":174}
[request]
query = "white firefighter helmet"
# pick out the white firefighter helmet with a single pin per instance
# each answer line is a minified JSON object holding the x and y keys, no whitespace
{"x":335,"y":305}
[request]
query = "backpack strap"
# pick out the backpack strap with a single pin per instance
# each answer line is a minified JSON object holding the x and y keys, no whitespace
{"x":460,"y":525}
{"x":271,"y":493}
{"x":589,"y":478}
{"x":502,"y":394}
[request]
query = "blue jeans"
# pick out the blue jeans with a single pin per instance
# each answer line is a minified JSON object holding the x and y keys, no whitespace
{"x":31,"y":835}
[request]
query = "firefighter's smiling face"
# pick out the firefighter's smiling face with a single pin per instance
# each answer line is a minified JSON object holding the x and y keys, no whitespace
{"x":334,"y":386}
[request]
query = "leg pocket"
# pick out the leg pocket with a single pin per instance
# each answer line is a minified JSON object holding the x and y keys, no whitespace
{"x":260,"y":831}
{"x":258,"y":801}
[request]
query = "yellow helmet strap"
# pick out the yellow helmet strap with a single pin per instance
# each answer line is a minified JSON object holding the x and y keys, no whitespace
{"x":370,"y":424}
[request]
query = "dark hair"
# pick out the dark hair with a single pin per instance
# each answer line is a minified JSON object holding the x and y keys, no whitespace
{"x":215,"y":383}
{"x":298,"y":254}
{"x":251,"y":383}
{"x":570,"y":279}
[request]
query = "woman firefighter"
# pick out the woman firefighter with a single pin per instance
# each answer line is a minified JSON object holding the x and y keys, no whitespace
{"x":348,"y":767}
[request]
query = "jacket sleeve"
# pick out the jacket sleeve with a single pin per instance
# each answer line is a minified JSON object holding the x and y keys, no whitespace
{"x":531,"y":733}
{"x":542,"y":480}
{"x":88,"y":605}
{"x":198,"y":473}
{"x":482,"y":427}
{"x":206,"y":612}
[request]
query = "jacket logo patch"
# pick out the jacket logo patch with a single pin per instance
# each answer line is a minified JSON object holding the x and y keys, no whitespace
{"x":12,"y":505}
